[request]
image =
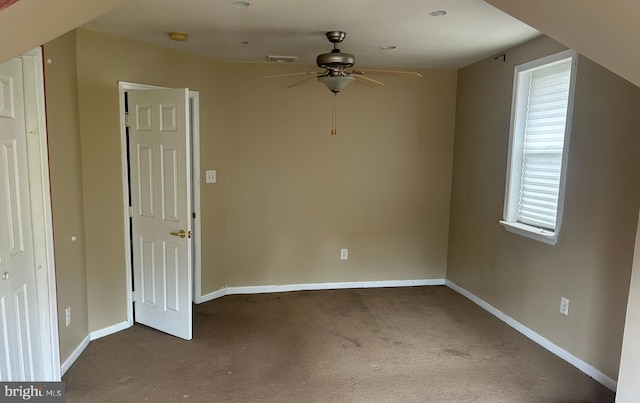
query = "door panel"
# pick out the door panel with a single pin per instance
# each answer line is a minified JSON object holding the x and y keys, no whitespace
{"x":172,"y":277}
{"x":170,"y":184}
{"x":7,"y":99}
{"x":23,"y":332}
{"x":145,"y":175}
{"x":20,"y":336}
{"x":147,"y":271}
{"x":5,"y":341}
{"x":160,"y":185}
{"x":12,"y":197}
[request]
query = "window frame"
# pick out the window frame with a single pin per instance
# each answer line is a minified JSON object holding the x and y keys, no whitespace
{"x":516,"y":138}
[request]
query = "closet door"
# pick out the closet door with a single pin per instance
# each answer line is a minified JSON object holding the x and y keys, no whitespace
{"x":20,"y":355}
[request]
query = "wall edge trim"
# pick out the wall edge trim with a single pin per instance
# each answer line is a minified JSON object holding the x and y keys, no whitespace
{"x":537,"y":338}
{"x":262,"y":289}
{"x":97,"y":334}
{"x":74,"y":355}
{"x":212,"y":295}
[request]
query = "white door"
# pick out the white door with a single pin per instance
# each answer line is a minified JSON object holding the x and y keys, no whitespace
{"x":20,"y":355}
{"x":159,"y":155}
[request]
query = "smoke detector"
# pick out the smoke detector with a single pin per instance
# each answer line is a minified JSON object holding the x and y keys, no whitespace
{"x":178,"y":36}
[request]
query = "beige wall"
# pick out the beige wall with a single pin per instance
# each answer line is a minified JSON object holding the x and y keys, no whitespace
{"x":66,"y":190}
{"x":628,"y":386}
{"x":102,"y":62}
{"x":296,"y":195}
{"x":30,"y":23}
{"x":591,"y":264}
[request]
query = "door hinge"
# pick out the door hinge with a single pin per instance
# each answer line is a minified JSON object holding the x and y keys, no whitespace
{"x":130,"y":211}
{"x":127,"y":120}
{"x":133,"y":296}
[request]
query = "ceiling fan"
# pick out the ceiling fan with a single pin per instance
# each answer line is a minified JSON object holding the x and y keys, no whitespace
{"x":335,"y":64}
{"x":336,"y":76}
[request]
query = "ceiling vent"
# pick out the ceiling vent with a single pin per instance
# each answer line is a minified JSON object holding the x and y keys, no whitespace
{"x":282,"y":59}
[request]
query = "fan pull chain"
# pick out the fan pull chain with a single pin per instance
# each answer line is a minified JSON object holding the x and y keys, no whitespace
{"x":334,"y":116}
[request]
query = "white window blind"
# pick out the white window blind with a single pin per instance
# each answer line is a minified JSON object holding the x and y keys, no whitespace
{"x":543,"y":140}
{"x":540,"y":120}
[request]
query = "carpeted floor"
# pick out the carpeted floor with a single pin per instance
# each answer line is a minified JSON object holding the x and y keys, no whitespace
{"x":420,"y":344}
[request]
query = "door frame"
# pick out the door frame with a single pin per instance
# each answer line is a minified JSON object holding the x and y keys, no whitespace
{"x":123,"y":88}
{"x":41,"y":215}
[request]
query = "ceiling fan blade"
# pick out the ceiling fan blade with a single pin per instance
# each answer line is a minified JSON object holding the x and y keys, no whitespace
{"x":306,"y":73}
{"x":403,"y":74}
{"x":367,"y":81}
{"x":301,"y":82}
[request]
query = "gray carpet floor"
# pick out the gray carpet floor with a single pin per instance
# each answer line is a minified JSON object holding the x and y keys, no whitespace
{"x":418,"y":344}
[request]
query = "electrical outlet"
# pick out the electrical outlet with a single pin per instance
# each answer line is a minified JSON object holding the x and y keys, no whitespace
{"x":564,"y":306}
{"x":67,"y":313}
{"x":210,"y":176}
{"x":344,"y":254}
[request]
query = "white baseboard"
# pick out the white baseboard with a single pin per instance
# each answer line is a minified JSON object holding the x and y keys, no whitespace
{"x":212,"y":295}
{"x":560,"y":352}
{"x":317,"y":286}
{"x":96,"y":334}
{"x":74,"y":355}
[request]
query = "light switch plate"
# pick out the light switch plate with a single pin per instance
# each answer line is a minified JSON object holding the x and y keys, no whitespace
{"x":210,"y":176}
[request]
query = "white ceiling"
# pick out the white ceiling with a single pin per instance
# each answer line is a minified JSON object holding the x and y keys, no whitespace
{"x":471,"y":30}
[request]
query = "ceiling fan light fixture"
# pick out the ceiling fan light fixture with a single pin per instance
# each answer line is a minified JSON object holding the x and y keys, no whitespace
{"x":335,"y":84}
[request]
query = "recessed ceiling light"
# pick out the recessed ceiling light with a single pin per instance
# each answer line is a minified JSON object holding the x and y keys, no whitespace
{"x":389,"y":47}
{"x":438,"y":13}
{"x":241,"y":4}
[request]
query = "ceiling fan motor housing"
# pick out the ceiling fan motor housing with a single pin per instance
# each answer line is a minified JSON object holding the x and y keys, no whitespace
{"x":336,"y":60}
{"x":336,"y":36}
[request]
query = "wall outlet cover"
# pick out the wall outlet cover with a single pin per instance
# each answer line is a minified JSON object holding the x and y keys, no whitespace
{"x":564,"y":306}
{"x":344,"y":254}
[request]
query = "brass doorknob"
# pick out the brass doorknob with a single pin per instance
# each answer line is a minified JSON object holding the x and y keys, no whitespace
{"x":182,"y":234}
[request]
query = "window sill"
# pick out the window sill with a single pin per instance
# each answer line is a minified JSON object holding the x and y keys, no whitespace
{"x":529,"y":231}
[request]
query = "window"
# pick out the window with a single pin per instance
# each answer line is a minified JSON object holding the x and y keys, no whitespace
{"x":540,"y":122}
